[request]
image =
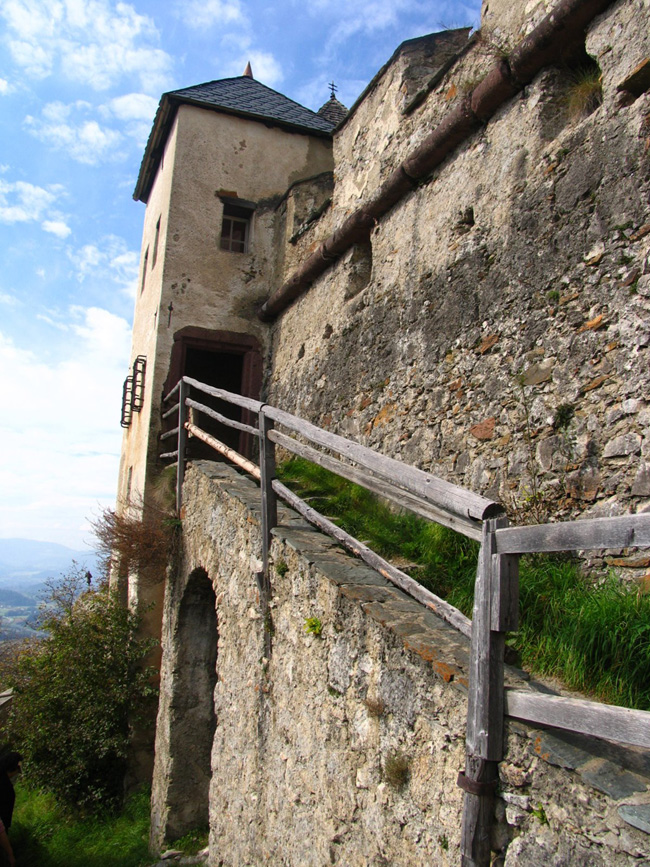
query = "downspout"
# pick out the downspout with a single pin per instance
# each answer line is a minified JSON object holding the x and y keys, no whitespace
{"x":543,"y":46}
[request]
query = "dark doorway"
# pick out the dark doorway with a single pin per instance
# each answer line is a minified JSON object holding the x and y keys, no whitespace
{"x":223,"y":359}
{"x":223,"y":370}
{"x":192,"y":717}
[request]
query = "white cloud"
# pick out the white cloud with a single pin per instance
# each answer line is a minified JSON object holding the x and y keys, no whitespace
{"x":22,"y":202}
{"x":134,"y":106}
{"x":94,"y":42}
{"x":200,"y":14}
{"x":56,"y":227}
{"x":265,"y":68}
{"x":62,"y":438}
{"x":8,"y":300}
{"x":82,"y":139}
{"x":110,"y":260}
{"x":136,"y":111}
{"x":4,"y":86}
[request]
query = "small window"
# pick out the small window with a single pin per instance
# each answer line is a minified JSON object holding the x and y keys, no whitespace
{"x":235,"y":228}
{"x":144,"y":271}
{"x":155,"y":245}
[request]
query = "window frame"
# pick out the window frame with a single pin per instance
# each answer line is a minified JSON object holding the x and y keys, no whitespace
{"x":237,"y":214}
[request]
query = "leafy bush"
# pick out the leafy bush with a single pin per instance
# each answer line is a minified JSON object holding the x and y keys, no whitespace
{"x":74,"y":693}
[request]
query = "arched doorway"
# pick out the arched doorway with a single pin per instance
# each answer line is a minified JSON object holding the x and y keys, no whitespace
{"x":191,"y":720}
{"x":225,"y":359}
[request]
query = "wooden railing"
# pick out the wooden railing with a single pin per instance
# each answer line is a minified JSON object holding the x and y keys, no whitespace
{"x":496,"y":592}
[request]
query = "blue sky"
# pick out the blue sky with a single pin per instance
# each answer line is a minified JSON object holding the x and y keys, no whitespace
{"x":79,"y":84}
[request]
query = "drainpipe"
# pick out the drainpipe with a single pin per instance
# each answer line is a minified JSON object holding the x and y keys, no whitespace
{"x":545,"y":45}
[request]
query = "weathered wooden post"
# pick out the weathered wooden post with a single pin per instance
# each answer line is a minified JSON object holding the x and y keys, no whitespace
{"x":496,"y":609}
{"x":183,"y":393}
{"x":269,"y":499}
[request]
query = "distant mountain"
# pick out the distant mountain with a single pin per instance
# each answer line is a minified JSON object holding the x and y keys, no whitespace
{"x":26,"y":562}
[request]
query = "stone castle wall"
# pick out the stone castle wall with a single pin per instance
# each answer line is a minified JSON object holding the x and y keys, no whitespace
{"x":495,"y":330}
{"x":344,"y":747}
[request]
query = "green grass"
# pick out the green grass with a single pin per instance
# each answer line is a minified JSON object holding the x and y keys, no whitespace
{"x":43,"y":835}
{"x":595,"y":638}
{"x":192,"y":842}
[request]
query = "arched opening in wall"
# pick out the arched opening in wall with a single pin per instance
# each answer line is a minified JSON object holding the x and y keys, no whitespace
{"x":224,"y":359}
{"x":192,"y":721}
{"x":583,"y":89}
{"x":571,"y":90}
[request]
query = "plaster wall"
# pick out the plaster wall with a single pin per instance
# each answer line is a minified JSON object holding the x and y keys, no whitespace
{"x":135,"y":440}
{"x":207,"y":154}
{"x":515,"y":282}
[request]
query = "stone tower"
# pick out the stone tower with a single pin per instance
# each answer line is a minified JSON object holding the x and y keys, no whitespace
{"x":219,"y":158}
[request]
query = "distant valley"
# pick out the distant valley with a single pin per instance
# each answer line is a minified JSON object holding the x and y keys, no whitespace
{"x":25,"y":566}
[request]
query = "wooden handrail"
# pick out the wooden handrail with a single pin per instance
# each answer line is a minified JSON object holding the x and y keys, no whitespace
{"x":217,"y":416}
{"x":383,"y":489}
{"x":624,"y":531}
{"x":623,"y":724}
{"x":452,"y":498}
{"x":229,"y":396}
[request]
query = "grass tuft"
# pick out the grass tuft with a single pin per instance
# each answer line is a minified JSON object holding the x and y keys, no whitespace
{"x":593,"y":637}
{"x":396,"y":769}
{"x":584,"y":92}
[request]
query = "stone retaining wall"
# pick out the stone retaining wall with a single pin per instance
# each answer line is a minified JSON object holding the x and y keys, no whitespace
{"x":344,"y":747}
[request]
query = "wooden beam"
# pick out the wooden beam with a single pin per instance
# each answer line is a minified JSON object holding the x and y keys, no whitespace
{"x":590,"y":533}
{"x":229,"y":396}
{"x":217,"y":416}
{"x":368,"y":480}
{"x":445,"y":495}
{"x":607,"y":721}
{"x":183,"y":391}
{"x":269,"y":499}
{"x":223,"y":449}
{"x":484,"y":738}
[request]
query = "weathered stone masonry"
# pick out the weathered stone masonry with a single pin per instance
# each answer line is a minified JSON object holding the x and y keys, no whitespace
{"x":308,"y":739}
{"x":492,"y":326}
{"x":514,"y":282}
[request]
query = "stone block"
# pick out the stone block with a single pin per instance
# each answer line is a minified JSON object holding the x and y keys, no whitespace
{"x":637,"y":815}
{"x":612,"y":780}
{"x":622,"y":446}
{"x":641,"y":484}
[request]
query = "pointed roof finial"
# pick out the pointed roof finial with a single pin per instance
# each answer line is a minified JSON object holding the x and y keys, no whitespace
{"x":248,"y":72}
{"x":333,"y":88}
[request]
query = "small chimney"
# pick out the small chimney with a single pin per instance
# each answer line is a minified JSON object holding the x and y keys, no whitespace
{"x":248,"y":72}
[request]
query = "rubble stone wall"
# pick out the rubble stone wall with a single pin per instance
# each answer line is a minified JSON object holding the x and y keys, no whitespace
{"x":496,"y":329}
{"x":341,"y":745}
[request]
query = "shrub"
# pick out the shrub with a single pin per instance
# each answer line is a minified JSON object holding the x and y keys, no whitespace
{"x":74,"y":693}
{"x":136,"y":543}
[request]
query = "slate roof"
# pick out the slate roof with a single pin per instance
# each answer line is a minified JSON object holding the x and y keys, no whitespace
{"x":333,"y":110}
{"x":242,"y":96}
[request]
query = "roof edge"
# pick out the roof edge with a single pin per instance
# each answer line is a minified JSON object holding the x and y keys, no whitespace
{"x":163,"y":122}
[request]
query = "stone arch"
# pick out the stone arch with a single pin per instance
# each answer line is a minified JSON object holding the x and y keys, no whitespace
{"x":180,"y":797}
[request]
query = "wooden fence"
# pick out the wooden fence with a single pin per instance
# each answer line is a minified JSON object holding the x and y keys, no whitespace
{"x":496,"y":592}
